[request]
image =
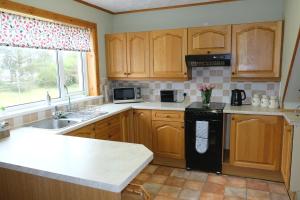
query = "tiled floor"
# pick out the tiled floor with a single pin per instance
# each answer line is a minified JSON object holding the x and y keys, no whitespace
{"x":165,"y":183}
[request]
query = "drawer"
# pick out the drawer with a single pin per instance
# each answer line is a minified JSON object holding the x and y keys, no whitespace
{"x":167,"y":115}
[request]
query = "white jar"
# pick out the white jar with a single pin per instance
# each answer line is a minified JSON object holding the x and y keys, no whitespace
{"x":273,"y":103}
{"x":264,"y":102}
{"x":255,"y":100}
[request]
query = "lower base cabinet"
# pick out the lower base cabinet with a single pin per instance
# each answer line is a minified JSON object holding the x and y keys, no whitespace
{"x":255,"y":141}
{"x":142,"y":127}
{"x":106,"y":129}
{"x":286,"y":157}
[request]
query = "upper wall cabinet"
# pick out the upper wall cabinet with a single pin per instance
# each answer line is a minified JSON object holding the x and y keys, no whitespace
{"x":167,"y":54}
{"x":256,"y":51}
{"x":138,"y":54}
{"x":209,"y":40}
{"x":116,"y":55}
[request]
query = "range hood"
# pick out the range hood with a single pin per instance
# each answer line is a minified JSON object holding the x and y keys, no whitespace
{"x":208,"y":60}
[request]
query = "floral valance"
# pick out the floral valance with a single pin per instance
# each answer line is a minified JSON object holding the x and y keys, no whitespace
{"x":21,"y":31}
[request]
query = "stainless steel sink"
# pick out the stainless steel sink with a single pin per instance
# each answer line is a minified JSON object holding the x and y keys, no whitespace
{"x":52,"y":123}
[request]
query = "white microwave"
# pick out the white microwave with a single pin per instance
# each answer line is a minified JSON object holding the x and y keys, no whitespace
{"x":127,"y":95}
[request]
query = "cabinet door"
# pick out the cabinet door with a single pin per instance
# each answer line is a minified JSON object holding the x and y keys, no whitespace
{"x":206,"y":40}
{"x":116,"y":55}
{"x":142,"y":127}
{"x":126,"y":126}
{"x":167,"y":53}
{"x":287,"y":144}
{"x":256,"y":51}
{"x":168,"y":139}
{"x":109,"y":129}
{"x":255,"y":141}
{"x":138,"y":55}
{"x":86,"y":132}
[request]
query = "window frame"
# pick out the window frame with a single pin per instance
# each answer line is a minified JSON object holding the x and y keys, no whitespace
{"x":92,"y":57}
{"x":60,"y":84}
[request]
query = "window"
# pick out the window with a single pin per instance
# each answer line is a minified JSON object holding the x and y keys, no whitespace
{"x":26,"y":74}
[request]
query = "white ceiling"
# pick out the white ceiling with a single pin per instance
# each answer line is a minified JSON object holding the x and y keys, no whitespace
{"x":129,"y":5}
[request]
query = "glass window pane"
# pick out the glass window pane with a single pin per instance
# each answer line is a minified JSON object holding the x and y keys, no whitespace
{"x":73,"y":71}
{"x":26,"y":75}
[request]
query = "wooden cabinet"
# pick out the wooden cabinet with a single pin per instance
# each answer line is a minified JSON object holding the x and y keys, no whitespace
{"x":87,"y":132}
{"x":138,"y":55}
{"x":209,"y":40}
{"x":116,"y":55}
{"x":142,"y":127}
{"x":167,"y":54}
{"x":286,"y":158}
{"x":168,"y":139}
{"x":126,"y":120}
{"x":255,"y":141}
{"x":256,"y":51}
{"x":109,"y":129}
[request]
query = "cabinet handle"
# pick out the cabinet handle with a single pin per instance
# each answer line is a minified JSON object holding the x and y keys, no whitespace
{"x":232,"y":73}
{"x":125,"y":73}
{"x":185,"y":73}
{"x":208,"y":52}
{"x":128,"y":73}
{"x":168,"y":116}
{"x":182,"y":127}
{"x":108,"y":123}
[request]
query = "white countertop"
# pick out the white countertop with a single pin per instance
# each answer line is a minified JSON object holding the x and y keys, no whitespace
{"x":99,"y":164}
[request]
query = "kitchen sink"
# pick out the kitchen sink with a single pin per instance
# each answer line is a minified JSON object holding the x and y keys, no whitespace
{"x":52,"y":123}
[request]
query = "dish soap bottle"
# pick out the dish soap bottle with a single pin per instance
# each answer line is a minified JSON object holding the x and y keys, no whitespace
{"x":48,"y":99}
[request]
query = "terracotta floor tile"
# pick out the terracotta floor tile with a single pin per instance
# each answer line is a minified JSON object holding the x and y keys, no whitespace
{"x":198,"y":176}
{"x":275,"y":196}
{"x":212,"y":178}
{"x":235,"y":192}
{"x":164,"y":198}
{"x":257,"y":185}
{"x":169,"y":191}
{"x":150,"y":169}
{"x":233,"y":198}
{"x":181,"y":173}
{"x":210,"y":196}
{"x":257,"y":195}
{"x":187,"y":194}
{"x":143,"y":177}
{"x":277,"y":188}
{"x":194,"y":185}
{"x":160,"y":179}
{"x":174,"y":181}
{"x":213,"y":188}
{"x":152,"y":188}
{"x":166,"y":171}
{"x":236,"y":182}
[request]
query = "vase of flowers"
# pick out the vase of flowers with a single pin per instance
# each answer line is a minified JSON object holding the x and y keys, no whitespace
{"x":206,"y":90}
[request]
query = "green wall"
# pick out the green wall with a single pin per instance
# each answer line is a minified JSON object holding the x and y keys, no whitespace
{"x":74,"y":9}
{"x":225,"y":13}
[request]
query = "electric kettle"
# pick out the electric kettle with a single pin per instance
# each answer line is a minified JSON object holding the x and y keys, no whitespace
{"x":237,"y":96}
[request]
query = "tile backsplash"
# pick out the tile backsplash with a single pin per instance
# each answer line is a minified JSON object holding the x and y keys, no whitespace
{"x":220,"y":76}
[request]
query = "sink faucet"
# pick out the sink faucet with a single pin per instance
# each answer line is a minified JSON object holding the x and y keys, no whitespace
{"x":69,"y":107}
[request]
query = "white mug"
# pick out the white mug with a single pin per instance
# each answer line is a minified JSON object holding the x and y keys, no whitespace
{"x":273,"y":103}
{"x":264,"y":102}
{"x":256,"y":100}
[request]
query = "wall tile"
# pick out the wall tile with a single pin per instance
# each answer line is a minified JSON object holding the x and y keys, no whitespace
{"x":220,"y":76}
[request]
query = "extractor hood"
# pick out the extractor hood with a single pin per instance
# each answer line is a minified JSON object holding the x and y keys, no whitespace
{"x":209,"y":60}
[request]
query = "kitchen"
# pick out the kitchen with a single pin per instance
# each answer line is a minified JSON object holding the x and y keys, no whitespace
{"x":148,"y":50}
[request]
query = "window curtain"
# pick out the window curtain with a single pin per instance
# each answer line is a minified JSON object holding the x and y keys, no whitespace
{"x":21,"y":31}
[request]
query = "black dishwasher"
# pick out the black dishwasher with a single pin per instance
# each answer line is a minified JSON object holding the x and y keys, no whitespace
{"x":204,"y":136}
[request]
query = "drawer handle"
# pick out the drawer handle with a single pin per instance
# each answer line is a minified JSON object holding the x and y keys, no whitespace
{"x":108,"y":123}
{"x":168,"y":116}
